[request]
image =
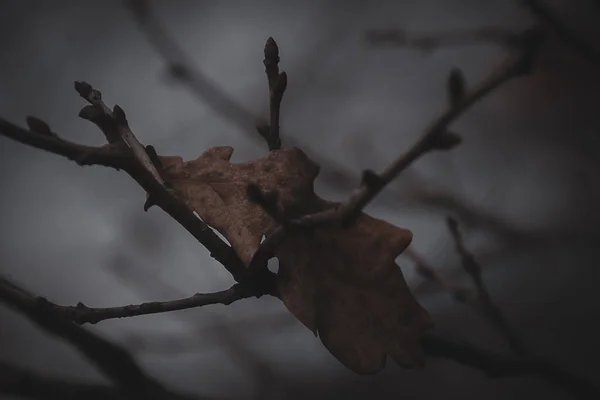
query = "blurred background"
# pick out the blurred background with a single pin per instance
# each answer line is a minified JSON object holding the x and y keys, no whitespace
{"x":523,"y":185}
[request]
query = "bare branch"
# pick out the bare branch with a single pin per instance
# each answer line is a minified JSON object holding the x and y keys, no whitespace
{"x":17,"y":381}
{"x":113,"y":361}
{"x":489,"y":309}
{"x":470,"y":214}
{"x":433,"y":138}
{"x":228,"y":336}
{"x":183,"y":69}
{"x":119,"y":365}
{"x":119,"y":157}
{"x":432,"y":41}
{"x":82,"y":314}
{"x":336,"y":175}
{"x":549,"y":18}
{"x":497,"y":365}
{"x":428,"y":272}
{"x":117,"y":128}
{"x":480,"y":300}
{"x":430,"y":138}
{"x":108,"y":156}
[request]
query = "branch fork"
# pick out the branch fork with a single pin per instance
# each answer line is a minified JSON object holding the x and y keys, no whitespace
{"x":125,"y":152}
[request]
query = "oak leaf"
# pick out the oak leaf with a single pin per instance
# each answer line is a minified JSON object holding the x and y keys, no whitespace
{"x":342,"y":283}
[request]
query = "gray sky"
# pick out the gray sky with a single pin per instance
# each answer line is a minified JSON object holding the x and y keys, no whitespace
{"x":529,"y":158}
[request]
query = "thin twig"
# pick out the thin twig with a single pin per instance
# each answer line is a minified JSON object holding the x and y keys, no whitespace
{"x":489,"y":309}
{"x":202,"y":87}
{"x":118,"y":157}
{"x":430,"y":137}
{"x":117,"y":129}
{"x":277,"y":85}
{"x":108,"y":156}
{"x":335,"y":175}
{"x":18,"y":381}
{"x":433,"y":138}
{"x":480,"y":299}
{"x":243,"y":355}
{"x":546,"y":15}
{"x":497,"y":365}
{"x":372,"y":184}
{"x":428,"y":272}
{"x":182,"y":68}
{"x":431,"y":41}
{"x":113,"y":361}
{"x":81,"y":314}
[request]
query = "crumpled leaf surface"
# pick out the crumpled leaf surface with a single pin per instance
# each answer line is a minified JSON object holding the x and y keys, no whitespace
{"x":343,"y":284}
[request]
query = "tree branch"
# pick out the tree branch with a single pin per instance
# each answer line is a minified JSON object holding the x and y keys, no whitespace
{"x":460,"y":294}
{"x":432,"y":41}
{"x":182,"y":68}
{"x":114,"y":125}
{"x":494,"y":365}
{"x":113,"y":361}
{"x":228,"y":337}
{"x":81,"y":314}
{"x":334,"y":174}
{"x":120,"y":157}
{"x":118,"y":364}
{"x":21,"y":382}
{"x":549,"y":18}
{"x":435,"y":137}
{"x":490,"y":310}
{"x":497,"y":365}
{"x":481,"y":299}
{"x":107,"y":156}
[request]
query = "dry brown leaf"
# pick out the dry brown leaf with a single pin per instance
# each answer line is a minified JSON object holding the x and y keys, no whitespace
{"x":343,"y":284}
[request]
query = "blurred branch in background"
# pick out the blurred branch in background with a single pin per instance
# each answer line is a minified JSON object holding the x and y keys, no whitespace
{"x":435,"y":137}
{"x":82,"y":314}
{"x":337,"y":176}
{"x":229,"y":339}
{"x":427,"y":43}
{"x":182,"y":68}
{"x":484,"y":300}
{"x":144,"y":237}
{"x":479,"y":298}
{"x":120,"y":367}
{"x":141,"y":163}
{"x":413,"y":192}
{"x":566,"y":34}
{"x":18,"y":381}
{"x":432,"y":274}
{"x":111,"y":360}
{"x":499,"y":365}
{"x":430,"y":42}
